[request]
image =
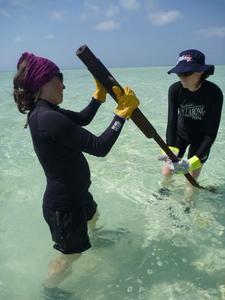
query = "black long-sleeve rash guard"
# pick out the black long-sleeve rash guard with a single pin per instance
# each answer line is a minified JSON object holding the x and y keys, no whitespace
{"x":194,"y":115}
{"x":59,"y":141}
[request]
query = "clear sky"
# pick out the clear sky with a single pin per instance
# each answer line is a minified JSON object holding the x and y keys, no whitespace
{"x":122,"y":33}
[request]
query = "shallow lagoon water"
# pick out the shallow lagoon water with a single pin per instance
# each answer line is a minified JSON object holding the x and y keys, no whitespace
{"x":157,"y":251}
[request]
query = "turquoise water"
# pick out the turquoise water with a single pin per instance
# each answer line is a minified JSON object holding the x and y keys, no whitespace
{"x":158,"y":251}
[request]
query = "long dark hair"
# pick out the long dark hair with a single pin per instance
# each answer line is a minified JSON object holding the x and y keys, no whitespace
{"x":204,"y":76}
{"x":24,"y":98}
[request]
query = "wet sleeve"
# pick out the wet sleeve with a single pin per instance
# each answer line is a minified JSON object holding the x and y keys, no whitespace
{"x":64,"y":131}
{"x":171,"y":130}
{"x":85,"y":116}
{"x":213,"y":122}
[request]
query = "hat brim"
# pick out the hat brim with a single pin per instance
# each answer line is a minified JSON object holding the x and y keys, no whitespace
{"x":179,"y":69}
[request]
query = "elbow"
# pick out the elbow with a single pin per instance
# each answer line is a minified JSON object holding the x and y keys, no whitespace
{"x":99,"y":147}
{"x":85,"y":123}
{"x":102,"y":153}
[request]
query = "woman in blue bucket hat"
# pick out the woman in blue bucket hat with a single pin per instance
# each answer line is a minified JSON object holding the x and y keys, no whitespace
{"x":194,"y":111}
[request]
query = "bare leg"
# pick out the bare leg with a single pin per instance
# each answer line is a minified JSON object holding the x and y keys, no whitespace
{"x":190,"y":190}
{"x":59,"y":269}
{"x":167,"y":175}
{"x":166,"y":170}
{"x":93,"y":221}
{"x":196,"y":173}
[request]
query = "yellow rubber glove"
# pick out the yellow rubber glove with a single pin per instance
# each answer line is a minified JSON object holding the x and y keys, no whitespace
{"x":127,"y":102}
{"x":100,"y":92}
{"x":194,"y":163}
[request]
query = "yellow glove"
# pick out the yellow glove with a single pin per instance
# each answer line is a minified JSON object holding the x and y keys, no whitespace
{"x":127,"y":102}
{"x":100,"y":92}
{"x":194,"y":163}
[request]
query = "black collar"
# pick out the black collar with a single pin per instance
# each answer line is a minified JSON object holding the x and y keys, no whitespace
{"x":41,"y":102}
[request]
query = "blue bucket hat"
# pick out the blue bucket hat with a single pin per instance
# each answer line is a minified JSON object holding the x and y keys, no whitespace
{"x":191,"y":61}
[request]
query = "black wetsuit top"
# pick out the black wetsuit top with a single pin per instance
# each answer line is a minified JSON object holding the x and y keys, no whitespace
{"x":59,"y":140}
{"x":198,"y":117}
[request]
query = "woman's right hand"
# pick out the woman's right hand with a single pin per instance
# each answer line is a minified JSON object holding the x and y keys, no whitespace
{"x":126,"y":100}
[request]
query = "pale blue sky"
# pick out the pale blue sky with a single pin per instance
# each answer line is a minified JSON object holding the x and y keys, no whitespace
{"x":126,"y":33}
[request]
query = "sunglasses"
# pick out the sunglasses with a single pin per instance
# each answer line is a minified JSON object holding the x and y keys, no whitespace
{"x":60,"y":76}
{"x":185,"y":74}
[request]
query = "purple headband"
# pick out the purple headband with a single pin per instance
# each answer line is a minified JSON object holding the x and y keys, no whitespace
{"x":38,"y":71}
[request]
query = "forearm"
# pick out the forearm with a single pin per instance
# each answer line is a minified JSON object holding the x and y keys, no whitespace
{"x":204,"y":147}
{"x":89,"y":112}
{"x":171,"y":132}
{"x":101,"y":145}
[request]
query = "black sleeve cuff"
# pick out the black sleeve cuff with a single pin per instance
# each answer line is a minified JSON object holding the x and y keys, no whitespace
{"x":96,"y":101}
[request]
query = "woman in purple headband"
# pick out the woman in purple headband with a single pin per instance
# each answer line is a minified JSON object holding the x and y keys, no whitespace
{"x":194,"y":112}
{"x":59,"y":141}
